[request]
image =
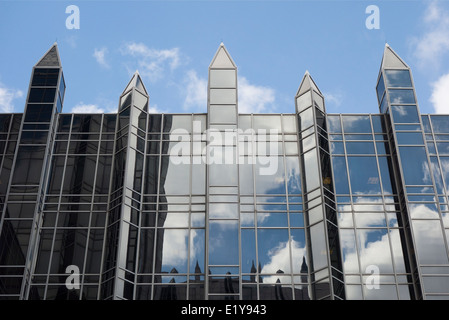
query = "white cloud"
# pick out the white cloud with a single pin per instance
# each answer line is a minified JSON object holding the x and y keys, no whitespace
{"x":99,"y":55}
{"x":440,"y":95}
{"x":196,"y":92}
{"x":434,"y":43}
{"x":7,"y":96}
{"x":87,"y":108}
{"x":152,"y":63}
{"x":254,"y":99}
{"x":333,"y":99}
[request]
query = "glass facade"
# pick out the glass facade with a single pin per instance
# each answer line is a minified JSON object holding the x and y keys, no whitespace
{"x":222,"y":205}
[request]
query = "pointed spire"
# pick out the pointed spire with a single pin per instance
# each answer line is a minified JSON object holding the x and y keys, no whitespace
{"x":136,"y":82}
{"x":222,"y":59}
{"x":392,"y":60}
{"x":50,"y":58}
{"x":307,"y":83}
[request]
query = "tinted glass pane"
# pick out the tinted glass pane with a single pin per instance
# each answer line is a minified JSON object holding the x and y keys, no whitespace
{"x":405,"y":114}
{"x":42,"y":95}
{"x":429,"y":242}
{"x":273,"y":250}
{"x":398,"y":78}
{"x":360,"y":147}
{"x":374,"y":249}
{"x":45,"y":77}
{"x":334,"y":125}
{"x":28,"y":165}
{"x":409,"y":138}
{"x":380,"y":87}
{"x":399,"y":96}
{"x":38,"y":112}
{"x":223,"y":252}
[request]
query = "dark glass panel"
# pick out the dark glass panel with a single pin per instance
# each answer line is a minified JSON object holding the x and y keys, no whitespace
{"x":34,"y":137}
{"x":103,"y":174}
{"x":386,"y":172}
{"x":42,"y":95}
{"x":69,"y":249}
{"x":45,"y":77}
{"x":89,"y":123}
{"x":146,"y":250}
{"x":28,"y":165}
{"x":79,"y":174}
{"x":64,"y":122}
{"x":5,"y":120}
{"x":340,"y":175}
{"x":20,"y":210}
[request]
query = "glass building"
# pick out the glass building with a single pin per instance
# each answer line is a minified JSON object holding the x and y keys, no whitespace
{"x":224,"y":205}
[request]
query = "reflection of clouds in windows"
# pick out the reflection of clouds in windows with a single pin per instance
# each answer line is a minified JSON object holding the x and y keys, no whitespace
{"x":278,"y":258}
{"x":174,"y":252}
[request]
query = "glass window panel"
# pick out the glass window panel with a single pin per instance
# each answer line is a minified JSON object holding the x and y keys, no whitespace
{"x":28,"y":165}
{"x":337,"y":148}
{"x":356,"y":124}
{"x":273,"y":250}
{"x":349,"y":251}
{"x":38,"y":113}
{"x":223,"y":242}
{"x":334,"y":125}
{"x":380,"y":87}
{"x":415,"y":165}
{"x":440,"y":123}
{"x":400,"y":96}
{"x":223,"y":96}
{"x":45,"y":77}
{"x":269,"y":175}
{"x":223,"y":114}
{"x":267,"y":122}
{"x":437,"y":175}
{"x":272,"y":219}
{"x":429,"y":242}
{"x":436,"y":284}
{"x":405,"y":114}
{"x":223,"y":211}
{"x":384,"y":292}
{"x":340,"y":175}
{"x":246,"y":178}
{"x":223,"y":174}
{"x":249,"y":261}
{"x":293,"y":177}
{"x":311,"y":170}
{"x":386,"y":173}
{"x":363,"y":175}
{"x":172,"y":250}
{"x":222,"y":78}
{"x":306,"y":119}
{"x":409,"y":138}
{"x":289,"y":124}
{"x":378,"y":123}
{"x":398,"y":78}
{"x":180,"y":122}
{"x":370,"y":219}
{"x":360,"y":147}
{"x":443,"y":148}
{"x":304,"y":101}
{"x":175,"y":177}
{"x":197,"y":250}
{"x":319,"y":250}
{"x":374,"y":249}
{"x":198,"y":178}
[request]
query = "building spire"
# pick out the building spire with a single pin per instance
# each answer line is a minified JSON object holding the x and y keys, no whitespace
{"x":50,"y":58}
{"x":391,"y":59}
{"x":222,"y":59}
{"x":136,"y":82}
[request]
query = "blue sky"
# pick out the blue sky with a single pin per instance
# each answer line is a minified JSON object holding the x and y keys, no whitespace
{"x":273,"y":43}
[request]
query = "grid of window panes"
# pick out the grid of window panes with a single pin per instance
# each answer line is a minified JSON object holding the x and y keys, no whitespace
{"x":171,"y":253}
{"x":437,"y":143}
{"x":72,"y":232}
{"x":368,"y":211}
{"x":13,"y":232}
{"x":274,"y":260}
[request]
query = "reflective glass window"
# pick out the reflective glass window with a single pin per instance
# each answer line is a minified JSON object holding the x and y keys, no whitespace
{"x":363,"y":175}
{"x":415,"y":165}
{"x":223,"y":252}
{"x":398,"y":78}
{"x":269,"y":175}
{"x":38,"y":112}
{"x":304,"y":101}
{"x":172,"y":250}
{"x":223,"y":114}
{"x":334,"y":125}
{"x":306,"y":119}
{"x":405,"y":114}
{"x":340,"y":175}
{"x":380,"y":87}
{"x":360,"y":147}
{"x":400,"y":96}
{"x":223,"y":96}
{"x":273,"y":250}
{"x":440,"y":123}
{"x":223,"y":79}
{"x":374,"y":249}
{"x":409,"y":138}
{"x":267,"y":122}
{"x":356,"y":124}
{"x":289,"y":124}
{"x":429,"y":242}
{"x":386,"y":173}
